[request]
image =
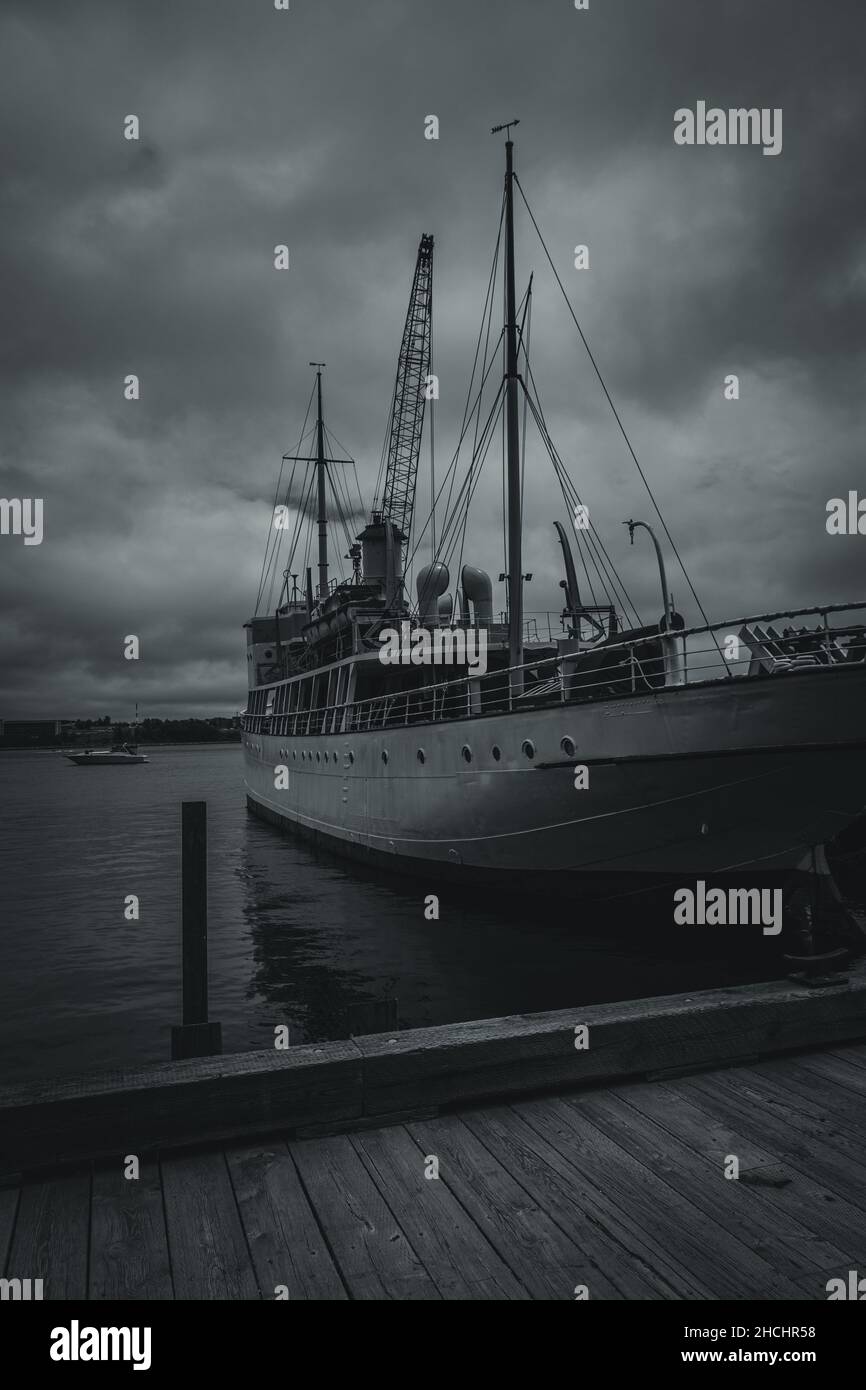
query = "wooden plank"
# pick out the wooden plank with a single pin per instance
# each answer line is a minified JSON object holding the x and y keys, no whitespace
{"x":856,"y":1054}
{"x":373,"y":1253}
{"x":709,"y":1136}
{"x":548,"y":1260}
{"x":618,"y":1260}
{"x":838,"y":1165}
{"x":50,"y":1237}
{"x":680,"y":1230}
{"x":8,"y":1211}
{"x":815,"y":1285}
{"x":816,"y":1096}
{"x":204,"y":1100}
{"x":526,"y":1052}
{"x":836,"y":1068}
{"x":209,"y":1254}
{"x":286,"y":1244}
{"x":781,"y":1100}
{"x":458,"y":1258}
{"x":732,"y":1204}
{"x":815,"y":1206}
{"x":128,"y":1244}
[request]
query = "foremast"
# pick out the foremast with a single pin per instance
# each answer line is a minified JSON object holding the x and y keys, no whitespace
{"x":512,"y":434}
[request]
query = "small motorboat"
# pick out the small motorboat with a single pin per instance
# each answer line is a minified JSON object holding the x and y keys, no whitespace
{"x":107,"y":757}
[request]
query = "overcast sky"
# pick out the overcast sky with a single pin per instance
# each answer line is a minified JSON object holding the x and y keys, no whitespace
{"x":261,"y":127}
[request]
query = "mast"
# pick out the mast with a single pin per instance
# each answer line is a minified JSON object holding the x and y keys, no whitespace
{"x":515,"y":521}
{"x":322,"y":496}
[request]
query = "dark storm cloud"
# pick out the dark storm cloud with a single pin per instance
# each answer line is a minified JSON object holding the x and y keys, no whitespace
{"x":306,"y":128}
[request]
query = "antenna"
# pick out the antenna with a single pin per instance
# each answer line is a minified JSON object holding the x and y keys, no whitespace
{"x":494,"y":130}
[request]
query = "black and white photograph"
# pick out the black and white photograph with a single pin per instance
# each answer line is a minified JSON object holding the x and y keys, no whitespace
{"x":432,"y":669}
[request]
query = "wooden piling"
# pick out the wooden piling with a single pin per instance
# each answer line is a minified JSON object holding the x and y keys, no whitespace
{"x":195,"y":1037}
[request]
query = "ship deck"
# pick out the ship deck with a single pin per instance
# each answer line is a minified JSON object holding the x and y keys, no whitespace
{"x":620,"y":1189}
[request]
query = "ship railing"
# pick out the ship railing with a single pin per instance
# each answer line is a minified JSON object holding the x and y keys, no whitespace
{"x":765,"y":644}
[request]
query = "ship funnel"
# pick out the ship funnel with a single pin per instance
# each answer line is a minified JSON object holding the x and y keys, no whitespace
{"x":431,"y":582}
{"x":381,"y":562}
{"x":479,"y":590}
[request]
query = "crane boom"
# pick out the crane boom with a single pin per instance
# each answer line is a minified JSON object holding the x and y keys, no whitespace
{"x":407,"y":411}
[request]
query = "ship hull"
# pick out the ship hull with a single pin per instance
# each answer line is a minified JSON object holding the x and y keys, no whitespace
{"x":732,"y":778}
{"x":105,"y":759}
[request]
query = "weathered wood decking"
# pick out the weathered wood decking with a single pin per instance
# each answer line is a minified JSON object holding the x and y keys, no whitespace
{"x":619,"y":1188}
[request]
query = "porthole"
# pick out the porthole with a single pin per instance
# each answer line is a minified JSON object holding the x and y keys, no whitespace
{"x":466,"y":753}
{"x":567,"y":746}
{"x":529,"y":748}
{"x":325,"y":755}
{"x":303,"y":757}
{"x":294,"y":755}
{"x":384,"y":755}
{"x":497,"y":752}
{"x":421,"y":755}
{"x":318,"y":757}
{"x":351,"y":758}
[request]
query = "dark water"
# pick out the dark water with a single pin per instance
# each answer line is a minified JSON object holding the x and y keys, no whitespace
{"x":295,"y":934}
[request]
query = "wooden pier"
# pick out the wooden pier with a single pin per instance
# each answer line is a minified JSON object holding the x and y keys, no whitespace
{"x":561,"y":1169}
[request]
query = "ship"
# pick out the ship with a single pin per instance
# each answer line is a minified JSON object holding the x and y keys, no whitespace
{"x":599,"y":750}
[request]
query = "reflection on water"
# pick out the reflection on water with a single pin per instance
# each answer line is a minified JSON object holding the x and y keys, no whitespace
{"x":296,"y":936}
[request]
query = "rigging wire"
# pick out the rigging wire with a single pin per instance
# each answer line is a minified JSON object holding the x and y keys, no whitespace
{"x":485,"y":312}
{"x":589,"y":543}
{"x":450,"y":472}
{"x":524,"y":345}
{"x":299,"y":519}
{"x":617,"y":418}
{"x":476,"y":412}
{"x":432,"y":447}
{"x":615,"y":587}
{"x":270,"y":539}
{"x":453,"y":522}
{"x":273,"y":562}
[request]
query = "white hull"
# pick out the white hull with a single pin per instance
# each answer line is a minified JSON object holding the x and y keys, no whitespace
{"x":725,"y":777}
{"x":105,"y":759}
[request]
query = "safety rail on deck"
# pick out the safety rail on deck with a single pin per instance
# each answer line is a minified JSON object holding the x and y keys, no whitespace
{"x":741,"y":649}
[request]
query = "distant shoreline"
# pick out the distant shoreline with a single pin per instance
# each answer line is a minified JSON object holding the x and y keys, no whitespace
{"x":142,"y":745}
